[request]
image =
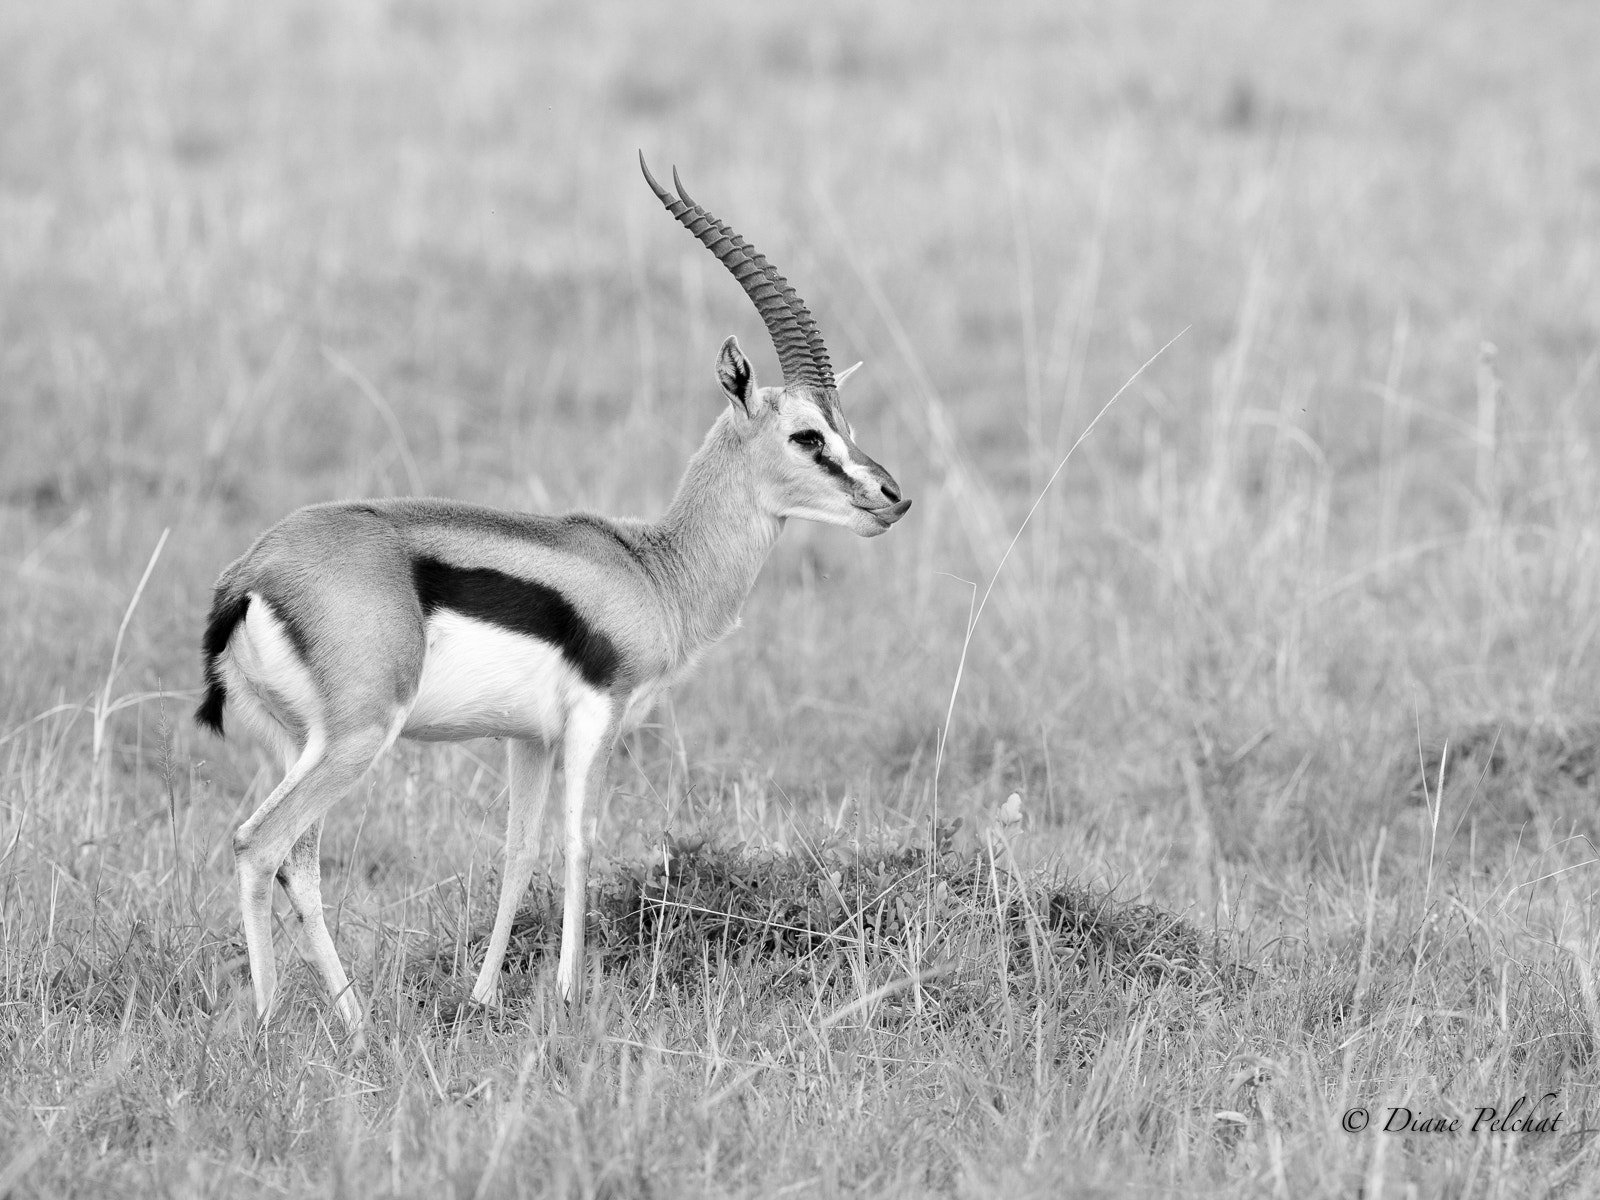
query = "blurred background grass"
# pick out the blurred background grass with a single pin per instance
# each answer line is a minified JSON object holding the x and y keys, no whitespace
{"x":253,"y":256}
{"x":260,"y":256}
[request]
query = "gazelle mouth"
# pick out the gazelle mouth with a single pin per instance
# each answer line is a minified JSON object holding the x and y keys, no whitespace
{"x":889,"y":513}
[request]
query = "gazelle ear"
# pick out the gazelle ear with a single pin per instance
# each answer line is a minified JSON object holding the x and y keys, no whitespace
{"x":736,"y":375}
{"x":845,"y":374}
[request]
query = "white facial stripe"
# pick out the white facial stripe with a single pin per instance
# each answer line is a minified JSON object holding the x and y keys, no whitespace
{"x":481,"y":680}
{"x":855,"y":464}
{"x":837,"y":449}
{"x":838,"y":437}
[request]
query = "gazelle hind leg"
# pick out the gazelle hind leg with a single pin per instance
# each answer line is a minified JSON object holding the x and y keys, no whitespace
{"x":586,"y":749}
{"x":530,"y":764}
{"x":301,"y":876}
{"x":256,"y":877}
{"x":262,"y":847}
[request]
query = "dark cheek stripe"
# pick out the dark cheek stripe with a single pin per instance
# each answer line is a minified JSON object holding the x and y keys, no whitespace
{"x":521,"y":606}
{"x":828,"y":465}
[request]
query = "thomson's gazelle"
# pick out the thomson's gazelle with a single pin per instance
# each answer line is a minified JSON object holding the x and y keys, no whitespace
{"x":348,"y":625}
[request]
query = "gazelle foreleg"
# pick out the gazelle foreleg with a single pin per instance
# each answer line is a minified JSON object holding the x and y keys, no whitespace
{"x":263,"y":849}
{"x":529,"y":767}
{"x":586,"y":749}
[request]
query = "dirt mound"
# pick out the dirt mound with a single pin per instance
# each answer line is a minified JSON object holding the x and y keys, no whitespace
{"x":833,"y":908}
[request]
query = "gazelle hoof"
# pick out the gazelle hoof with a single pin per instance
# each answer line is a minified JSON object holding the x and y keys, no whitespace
{"x":488,"y":997}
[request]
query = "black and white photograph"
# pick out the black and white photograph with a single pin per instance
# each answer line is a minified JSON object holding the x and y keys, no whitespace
{"x":625,"y":601}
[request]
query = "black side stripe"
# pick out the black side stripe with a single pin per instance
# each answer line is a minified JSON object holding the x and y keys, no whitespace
{"x":521,"y":606}
{"x":226,"y":613}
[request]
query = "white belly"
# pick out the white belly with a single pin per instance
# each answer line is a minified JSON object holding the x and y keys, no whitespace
{"x":479,"y":680}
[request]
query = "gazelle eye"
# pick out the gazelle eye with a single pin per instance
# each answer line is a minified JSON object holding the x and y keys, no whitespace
{"x":809,"y":438}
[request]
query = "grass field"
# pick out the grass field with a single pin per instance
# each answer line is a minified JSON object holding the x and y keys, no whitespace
{"x":1294,"y":667}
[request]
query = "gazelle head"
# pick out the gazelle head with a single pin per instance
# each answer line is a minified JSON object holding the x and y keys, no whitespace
{"x":802,"y":450}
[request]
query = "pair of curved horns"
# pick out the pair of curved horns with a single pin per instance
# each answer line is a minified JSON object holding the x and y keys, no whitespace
{"x":801,"y":352}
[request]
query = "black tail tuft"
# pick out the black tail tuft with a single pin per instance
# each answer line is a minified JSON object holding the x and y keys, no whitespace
{"x":226,"y":612}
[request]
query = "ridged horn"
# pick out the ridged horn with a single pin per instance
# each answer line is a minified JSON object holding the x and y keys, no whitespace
{"x":801,"y":352}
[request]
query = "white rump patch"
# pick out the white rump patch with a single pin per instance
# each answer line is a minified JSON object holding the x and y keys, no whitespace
{"x":481,"y":680}
{"x":268,"y":685}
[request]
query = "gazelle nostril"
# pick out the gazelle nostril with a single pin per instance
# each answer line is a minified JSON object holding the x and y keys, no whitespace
{"x":890,"y":491}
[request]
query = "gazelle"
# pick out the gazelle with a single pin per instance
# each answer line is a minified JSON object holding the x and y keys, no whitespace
{"x":351,"y":624}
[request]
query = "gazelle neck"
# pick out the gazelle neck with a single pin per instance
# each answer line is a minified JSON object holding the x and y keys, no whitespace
{"x":712,"y":540}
